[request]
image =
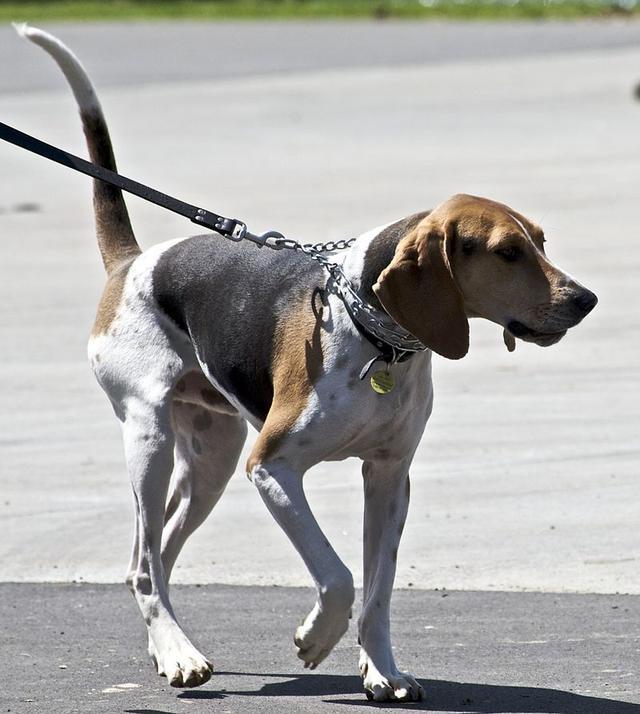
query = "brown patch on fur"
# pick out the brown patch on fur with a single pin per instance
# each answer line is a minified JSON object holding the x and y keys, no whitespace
{"x":196,"y":390}
{"x":297,"y":365}
{"x":111,"y":298}
{"x":418,"y":290}
{"x":381,"y":250}
{"x":113,"y":227}
{"x":202,"y":421}
{"x":210,"y":396}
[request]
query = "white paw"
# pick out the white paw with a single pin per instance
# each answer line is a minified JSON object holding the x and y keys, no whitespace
{"x":395,"y":686}
{"x":181,"y":663}
{"x":318,"y":635}
{"x":151,"y":649}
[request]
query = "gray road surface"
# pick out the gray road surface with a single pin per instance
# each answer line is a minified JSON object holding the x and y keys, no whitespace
{"x":528,"y":475}
{"x":488,"y":653}
{"x":141,"y":52}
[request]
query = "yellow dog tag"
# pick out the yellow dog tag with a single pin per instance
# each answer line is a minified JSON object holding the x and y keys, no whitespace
{"x":382,"y":382}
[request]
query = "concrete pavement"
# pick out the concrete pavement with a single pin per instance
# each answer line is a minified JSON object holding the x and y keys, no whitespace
{"x":528,"y":475}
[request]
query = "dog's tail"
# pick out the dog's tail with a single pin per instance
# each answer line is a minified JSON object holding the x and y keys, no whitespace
{"x":116,"y":240}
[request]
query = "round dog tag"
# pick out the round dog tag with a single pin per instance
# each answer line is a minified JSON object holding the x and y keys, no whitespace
{"x":382,"y":382}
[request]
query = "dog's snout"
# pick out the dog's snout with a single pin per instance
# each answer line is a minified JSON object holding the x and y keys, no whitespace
{"x":517,"y":329}
{"x":586,"y":301}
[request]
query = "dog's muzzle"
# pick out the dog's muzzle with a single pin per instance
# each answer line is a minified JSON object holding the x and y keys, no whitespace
{"x":572,"y":311}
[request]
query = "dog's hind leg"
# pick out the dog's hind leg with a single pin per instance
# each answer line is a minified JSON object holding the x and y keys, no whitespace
{"x":149,"y":444}
{"x":209,"y":439}
{"x":208,"y":443}
{"x":140,"y":384}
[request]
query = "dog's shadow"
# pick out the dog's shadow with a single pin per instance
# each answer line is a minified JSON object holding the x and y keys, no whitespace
{"x":441,"y":696}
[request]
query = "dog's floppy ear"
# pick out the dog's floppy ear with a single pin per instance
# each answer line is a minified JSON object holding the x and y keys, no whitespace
{"x":418,"y":290}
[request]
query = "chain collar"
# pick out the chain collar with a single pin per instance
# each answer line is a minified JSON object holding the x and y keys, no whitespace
{"x":380,"y":325}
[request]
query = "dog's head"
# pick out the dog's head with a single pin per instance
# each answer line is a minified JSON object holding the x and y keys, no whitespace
{"x":472,"y":257}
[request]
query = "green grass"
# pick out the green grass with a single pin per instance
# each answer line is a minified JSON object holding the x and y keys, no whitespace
{"x":276,"y":9}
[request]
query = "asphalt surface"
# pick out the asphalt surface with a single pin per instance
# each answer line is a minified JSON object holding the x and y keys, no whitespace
{"x":489,"y":653}
{"x":163,"y":52}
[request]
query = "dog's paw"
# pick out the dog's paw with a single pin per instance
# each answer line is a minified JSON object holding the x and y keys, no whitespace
{"x":182,"y":665}
{"x":318,"y":634}
{"x":393,"y":687}
{"x":190,"y":670}
{"x":151,"y":649}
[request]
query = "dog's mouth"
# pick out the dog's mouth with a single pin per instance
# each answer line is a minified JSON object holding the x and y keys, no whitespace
{"x":528,"y":334}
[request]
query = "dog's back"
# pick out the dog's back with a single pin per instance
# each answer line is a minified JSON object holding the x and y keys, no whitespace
{"x":231,"y":299}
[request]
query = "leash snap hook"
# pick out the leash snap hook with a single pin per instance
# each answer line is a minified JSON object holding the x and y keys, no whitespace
{"x":272,"y":239}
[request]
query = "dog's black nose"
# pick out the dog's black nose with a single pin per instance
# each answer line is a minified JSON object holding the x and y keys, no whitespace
{"x":586,"y":301}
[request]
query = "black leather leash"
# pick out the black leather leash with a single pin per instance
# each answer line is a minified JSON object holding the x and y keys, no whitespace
{"x":229,"y":227}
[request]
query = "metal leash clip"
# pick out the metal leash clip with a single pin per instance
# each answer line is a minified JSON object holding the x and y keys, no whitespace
{"x":264,"y":238}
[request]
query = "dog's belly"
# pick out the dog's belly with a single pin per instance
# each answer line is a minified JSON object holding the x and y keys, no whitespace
{"x":228,"y":299}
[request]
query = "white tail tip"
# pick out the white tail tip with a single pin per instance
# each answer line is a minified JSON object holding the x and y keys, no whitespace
{"x":28,"y":32}
{"x":21,"y":28}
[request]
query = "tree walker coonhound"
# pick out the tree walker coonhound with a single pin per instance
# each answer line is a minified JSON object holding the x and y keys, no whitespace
{"x":197,"y":336}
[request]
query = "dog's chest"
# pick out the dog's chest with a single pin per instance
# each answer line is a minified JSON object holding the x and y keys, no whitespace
{"x":345,"y":416}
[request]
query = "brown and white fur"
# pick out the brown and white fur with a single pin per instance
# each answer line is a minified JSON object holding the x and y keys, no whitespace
{"x":195,"y":337}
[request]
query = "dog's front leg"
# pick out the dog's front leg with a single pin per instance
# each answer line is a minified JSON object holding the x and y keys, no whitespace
{"x":280,"y":487}
{"x":386,"y":500}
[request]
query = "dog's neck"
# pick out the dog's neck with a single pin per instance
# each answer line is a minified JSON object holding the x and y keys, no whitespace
{"x":372,"y":253}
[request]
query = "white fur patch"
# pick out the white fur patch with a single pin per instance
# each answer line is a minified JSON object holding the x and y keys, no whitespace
{"x":353,"y":261}
{"x":115,"y":355}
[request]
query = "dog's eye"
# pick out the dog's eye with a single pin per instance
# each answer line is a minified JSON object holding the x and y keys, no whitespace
{"x":509,"y":254}
{"x":468,"y":246}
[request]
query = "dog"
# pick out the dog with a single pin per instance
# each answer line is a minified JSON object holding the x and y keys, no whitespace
{"x":198,"y":336}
